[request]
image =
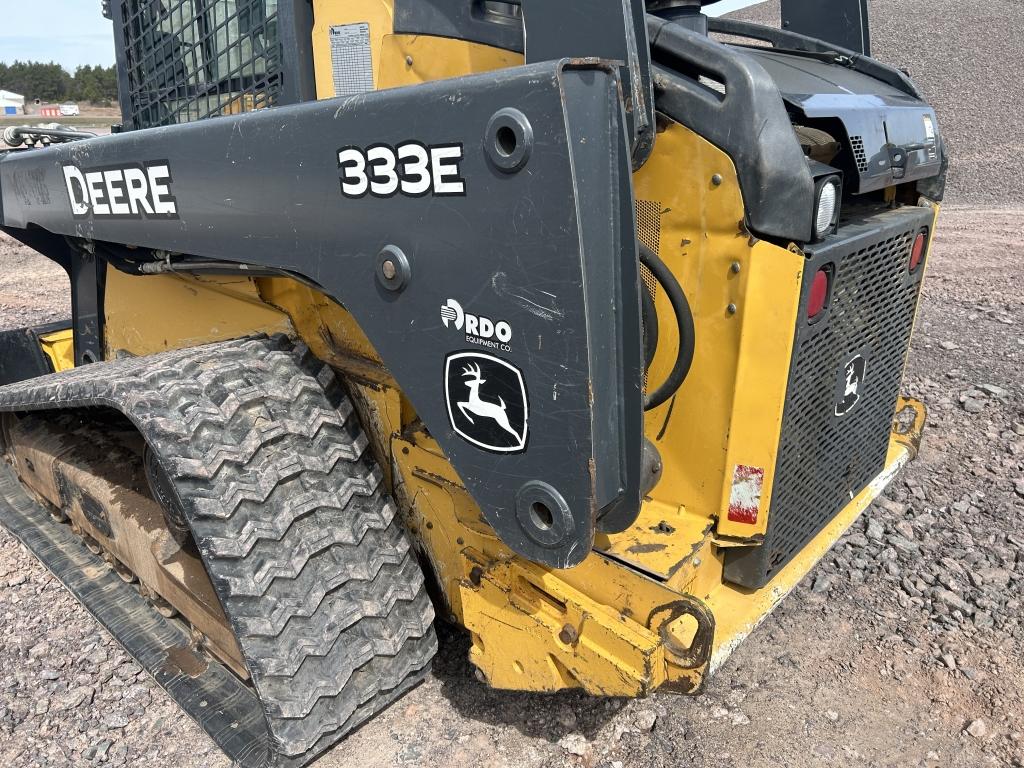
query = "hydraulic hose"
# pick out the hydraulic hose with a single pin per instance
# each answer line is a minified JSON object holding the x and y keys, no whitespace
{"x":684,"y":323}
{"x":650,"y":318}
{"x":16,"y":135}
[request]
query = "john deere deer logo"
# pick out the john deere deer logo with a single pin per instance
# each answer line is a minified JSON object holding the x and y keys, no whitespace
{"x":477,"y":407}
{"x":487,"y":402}
{"x":849,"y":384}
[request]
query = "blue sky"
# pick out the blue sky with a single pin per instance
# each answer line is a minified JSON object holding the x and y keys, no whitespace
{"x":730,"y":5}
{"x":70,"y":32}
{"x":73,"y":33}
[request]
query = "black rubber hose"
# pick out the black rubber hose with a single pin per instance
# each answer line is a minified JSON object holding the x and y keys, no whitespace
{"x":684,"y":322}
{"x":650,"y":318}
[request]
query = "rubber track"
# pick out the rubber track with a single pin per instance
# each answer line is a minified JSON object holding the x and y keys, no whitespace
{"x":286,"y":505}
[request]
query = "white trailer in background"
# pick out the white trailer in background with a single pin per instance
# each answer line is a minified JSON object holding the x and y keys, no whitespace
{"x":11,"y":103}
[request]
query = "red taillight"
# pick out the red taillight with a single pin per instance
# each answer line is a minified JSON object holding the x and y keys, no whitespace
{"x":917,"y":252}
{"x":819,"y":295}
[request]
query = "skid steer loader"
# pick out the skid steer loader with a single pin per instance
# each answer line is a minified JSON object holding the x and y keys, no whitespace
{"x":588,"y":318}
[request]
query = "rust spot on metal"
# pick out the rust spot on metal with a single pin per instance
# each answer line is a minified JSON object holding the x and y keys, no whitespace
{"x":183,"y":659}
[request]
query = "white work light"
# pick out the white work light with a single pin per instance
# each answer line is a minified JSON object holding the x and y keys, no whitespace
{"x":827,"y":207}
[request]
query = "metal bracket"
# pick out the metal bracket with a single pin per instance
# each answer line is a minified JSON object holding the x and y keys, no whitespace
{"x":88,"y":278}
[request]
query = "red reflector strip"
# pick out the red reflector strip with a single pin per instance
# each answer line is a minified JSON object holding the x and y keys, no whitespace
{"x":917,"y":252}
{"x":819,"y":294}
{"x":745,"y":496}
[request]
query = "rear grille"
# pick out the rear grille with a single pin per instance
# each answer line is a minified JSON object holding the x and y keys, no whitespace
{"x":183,"y":60}
{"x":825,"y":459}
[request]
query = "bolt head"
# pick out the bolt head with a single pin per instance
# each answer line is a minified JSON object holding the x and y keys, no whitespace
{"x":716,"y":179}
{"x":392,"y":269}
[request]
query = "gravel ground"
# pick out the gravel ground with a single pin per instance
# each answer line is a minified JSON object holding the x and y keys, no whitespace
{"x":904,"y":648}
{"x":966,"y":57}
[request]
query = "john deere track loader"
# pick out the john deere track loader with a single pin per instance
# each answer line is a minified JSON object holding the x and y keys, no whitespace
{"x":588,"y":318}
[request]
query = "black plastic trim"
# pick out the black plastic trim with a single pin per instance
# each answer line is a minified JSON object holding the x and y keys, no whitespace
{"x":782,"y":39}
{"x":749,"y":123}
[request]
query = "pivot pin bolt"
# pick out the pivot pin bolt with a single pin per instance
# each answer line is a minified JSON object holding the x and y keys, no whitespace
{"x":568,"y":635}
{"x":393,"y":270}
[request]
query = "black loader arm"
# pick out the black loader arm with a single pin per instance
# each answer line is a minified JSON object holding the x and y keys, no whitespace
{"x":480,"y":230}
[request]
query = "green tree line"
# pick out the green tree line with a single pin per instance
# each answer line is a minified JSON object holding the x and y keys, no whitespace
{"x":51,"y":83}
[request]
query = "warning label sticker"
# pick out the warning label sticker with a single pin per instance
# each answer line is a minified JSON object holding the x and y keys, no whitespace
{"x":351,"y":64}
{"x":745,"y":498}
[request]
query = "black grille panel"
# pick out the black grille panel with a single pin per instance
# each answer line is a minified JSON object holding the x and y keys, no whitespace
{"x":825,"y":458}
{"x":183,"y":60}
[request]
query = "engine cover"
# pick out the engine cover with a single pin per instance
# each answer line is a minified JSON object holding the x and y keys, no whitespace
{"x":891,"y":137}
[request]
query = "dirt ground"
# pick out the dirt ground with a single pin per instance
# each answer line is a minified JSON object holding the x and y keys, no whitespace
{"x":904,"y":648}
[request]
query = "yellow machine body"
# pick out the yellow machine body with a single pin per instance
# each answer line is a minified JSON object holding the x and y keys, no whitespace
{"x":649,"y":607}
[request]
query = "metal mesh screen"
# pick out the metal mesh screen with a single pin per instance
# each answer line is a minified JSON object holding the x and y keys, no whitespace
{"x":859,"y":155}
{"x":185,"y":60}
{"x":825,"y":459}
{"x":648,"y":230}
